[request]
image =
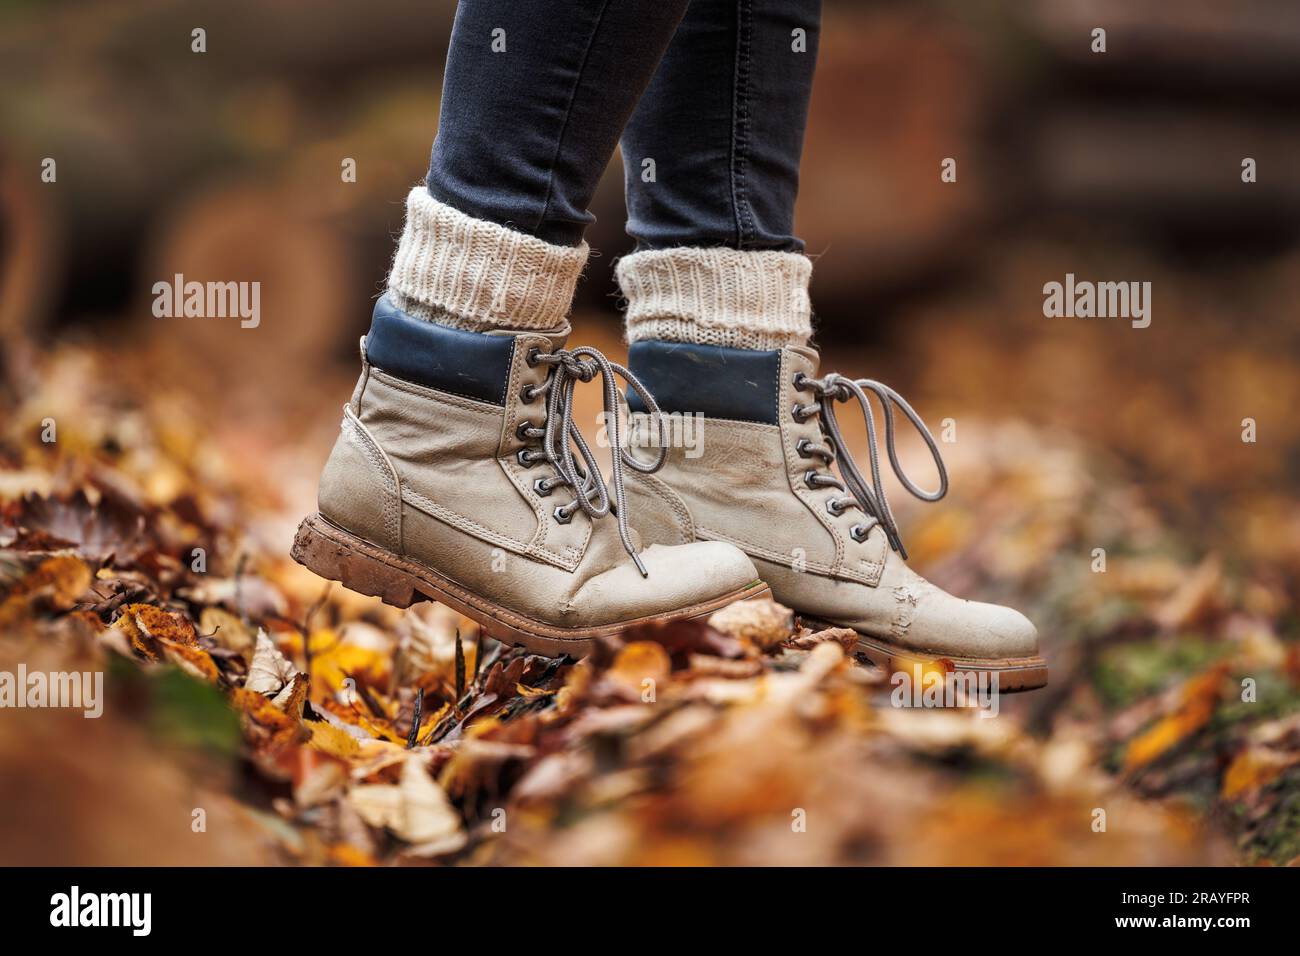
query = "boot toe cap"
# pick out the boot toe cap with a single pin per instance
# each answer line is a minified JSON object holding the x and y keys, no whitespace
{"x":679,"y":576}
{"x":1002,"y":631}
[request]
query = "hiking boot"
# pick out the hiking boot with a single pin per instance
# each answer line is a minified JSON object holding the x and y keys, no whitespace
{"x":455,"y":479}
{"x":828,"y":545}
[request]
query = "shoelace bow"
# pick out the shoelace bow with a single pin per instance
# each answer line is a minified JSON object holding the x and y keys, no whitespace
{"x":871,"y":500}
{"x":561,"y":434}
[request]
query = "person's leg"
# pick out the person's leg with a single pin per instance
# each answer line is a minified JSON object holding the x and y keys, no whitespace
{"x":534,"y":98}
{"x":460,"y":474}
{"x":712,"y":157}
{"x":719,"y":320}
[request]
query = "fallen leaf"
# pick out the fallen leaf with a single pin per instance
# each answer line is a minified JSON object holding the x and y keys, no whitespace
{"x":1197,"y":594}
{"x":763,"y":623}
{"x":846,"y":637}
{"x":270,"y":670}
{"x":57,"y":582}
{"x":293,"y":696}
{"x":415,"y":810}
{"x":1198,"y":698}
{"x":638,"y":662}
{"x":227,"y":630}
{"x":1252,"y":769}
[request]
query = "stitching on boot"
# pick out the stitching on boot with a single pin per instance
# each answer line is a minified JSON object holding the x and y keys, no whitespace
{"x":776,"y":557}
{"x":791,"y":470}
{"x":391,"y":509}
{"x":469,"y":526}
{"x":571,"y":555}
{"x":567,"y":560}
{"x":655,"y":486}
{"x":433,"y":394}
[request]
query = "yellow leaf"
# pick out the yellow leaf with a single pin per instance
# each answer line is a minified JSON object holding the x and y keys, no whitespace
{"x":640,"y":661}
{"x":1197,"y":701}
{"x":1253,"y":768}
{"x":333,"y":740}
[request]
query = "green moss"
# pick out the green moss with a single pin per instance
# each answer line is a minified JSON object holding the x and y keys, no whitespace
{"x":1130,"y":672}
{"x":1276,"y":838}
{"x":1274,"y":698}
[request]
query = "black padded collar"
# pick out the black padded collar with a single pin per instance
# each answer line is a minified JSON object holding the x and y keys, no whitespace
{"x":737,"y":384}
{"x":471,"y":364}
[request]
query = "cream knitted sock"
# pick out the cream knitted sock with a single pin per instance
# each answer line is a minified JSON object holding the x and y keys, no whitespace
{"x":473,"y":274}
{"x":744,"y":300}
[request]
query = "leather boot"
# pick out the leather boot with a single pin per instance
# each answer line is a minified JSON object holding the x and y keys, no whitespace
{"x":763,"y":479}
{"x":460,"y":476}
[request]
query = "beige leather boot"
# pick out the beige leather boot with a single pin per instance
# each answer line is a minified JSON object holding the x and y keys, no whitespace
{"x":454,"y":479}
{"x":761,"y":479}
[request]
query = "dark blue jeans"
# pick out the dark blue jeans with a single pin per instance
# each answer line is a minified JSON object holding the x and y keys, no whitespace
{"x":709,"y":99}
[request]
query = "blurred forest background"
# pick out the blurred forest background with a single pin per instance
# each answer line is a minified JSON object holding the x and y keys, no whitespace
{"x":1071,"y":435}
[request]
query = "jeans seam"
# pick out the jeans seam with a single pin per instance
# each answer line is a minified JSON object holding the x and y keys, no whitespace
{"x":568,"y":112}
{"x":740,"y":111}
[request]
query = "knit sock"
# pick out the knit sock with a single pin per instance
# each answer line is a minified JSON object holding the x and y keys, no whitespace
{"x":473,"y":274}
{"x":727,"y":297}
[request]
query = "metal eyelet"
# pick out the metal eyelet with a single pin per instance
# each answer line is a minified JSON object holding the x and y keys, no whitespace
{"x":526,"y":395}
{"x":525,"y":458}
{"x":808,"y":478}
{"x":521,"y":431}
{"x":799,"y":381}
{"x":859,"y":532}
{"x":531,"y":357}
{"x":798,"y":413}
{"x":834,"y":507}
{"x":801,"y":448}
{"x":562,"y":516}
{"x":541,"y":488}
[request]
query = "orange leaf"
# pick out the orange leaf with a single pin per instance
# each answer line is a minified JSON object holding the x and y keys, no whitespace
{"x":60,"y":579}
{"x":1197,"y":702}
{"x":1253,"y":768}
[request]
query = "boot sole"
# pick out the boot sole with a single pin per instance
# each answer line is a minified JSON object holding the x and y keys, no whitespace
{"x":326,"y":549}
{"x":1014,"y":674}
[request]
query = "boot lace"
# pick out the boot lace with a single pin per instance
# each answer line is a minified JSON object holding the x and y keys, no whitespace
{"x":871,"y":500}
{"x":560,"y":435}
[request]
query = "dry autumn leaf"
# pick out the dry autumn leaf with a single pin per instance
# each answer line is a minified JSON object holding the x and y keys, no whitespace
{"x":1253,"y":768}
{"x":152,"y":629}
{"x":763,"y":623}
{"x":1197,"y":700}
{"x":415,"y":810}
{"x":58,"y":581}
{"x":270,"y":670}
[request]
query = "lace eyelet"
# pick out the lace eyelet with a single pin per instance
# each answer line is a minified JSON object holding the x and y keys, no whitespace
{"x":859,"y":532}
{"x":798,"y":413}
{"x":809,"y":477}
{"x":526,"y":395}
{"x":521,"y":431}
{"x":801,"y":448}
{"x":800,"y":382}
{"x":833,"y":506}
{"x":541,"y":488}
{"x":531,"y":357}
{"x":524,"y":458}
{"x":562,"y":516}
